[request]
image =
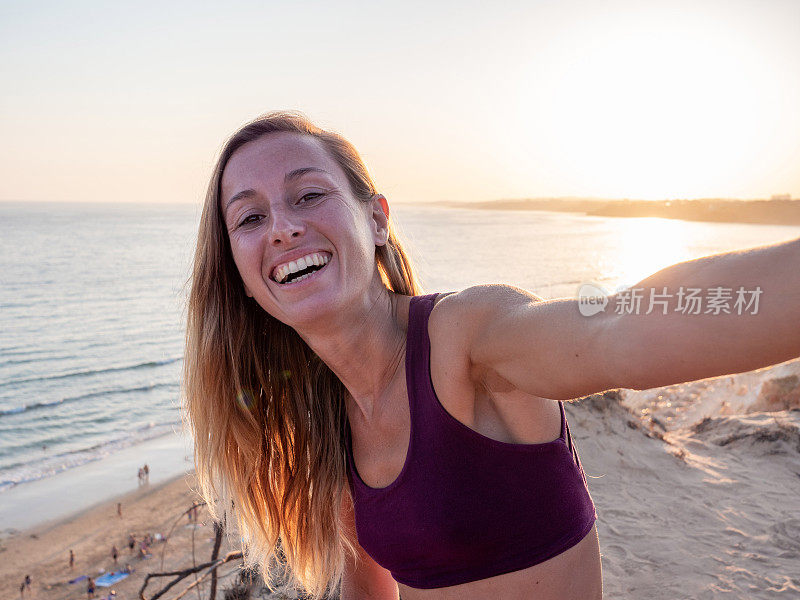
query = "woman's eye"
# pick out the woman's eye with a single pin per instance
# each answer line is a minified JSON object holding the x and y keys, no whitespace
{"x":309,"y":197}
{"x":247,"y":221}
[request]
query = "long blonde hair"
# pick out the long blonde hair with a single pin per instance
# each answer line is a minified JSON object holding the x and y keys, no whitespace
{"x":267,"y":415}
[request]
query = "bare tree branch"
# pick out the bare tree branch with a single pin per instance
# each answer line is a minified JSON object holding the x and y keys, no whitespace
{"x":182,"y":574}
{"x":174,"y":524}
{"x":214,"y":554}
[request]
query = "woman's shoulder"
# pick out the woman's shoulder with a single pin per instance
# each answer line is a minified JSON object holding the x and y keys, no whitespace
{"x":450,"y":368}
{"x":465,"y":312}
{"x":456,"y":320}
{"x":476,"y":299}
{"x":459,"y":321}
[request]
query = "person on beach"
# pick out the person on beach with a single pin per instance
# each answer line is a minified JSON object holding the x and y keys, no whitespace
{"x":141,"y":475}
{"x":146,"y":471}
{"x":71,"y":560}
{"x":387,"y":442}
{"x":114,"y":553}
{"x":27,"y":582}
{"x":131,"y":542}
{"x":90,"y":588}
{"x":119,"y":509}
{"x":144,"y":548}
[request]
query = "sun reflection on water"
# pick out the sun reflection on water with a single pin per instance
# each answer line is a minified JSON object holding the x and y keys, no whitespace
{"x":643,"y":246}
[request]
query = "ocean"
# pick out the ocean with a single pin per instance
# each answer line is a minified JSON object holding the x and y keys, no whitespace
{"x":92,"y":309}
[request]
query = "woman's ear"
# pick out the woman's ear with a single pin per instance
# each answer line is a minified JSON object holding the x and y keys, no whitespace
{"x":380,"y":218}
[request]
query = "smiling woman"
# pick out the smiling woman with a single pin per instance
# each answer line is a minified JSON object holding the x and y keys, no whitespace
{"x":270,"y":212}
{"x":387,"y":442}
{"x":286,"y":200}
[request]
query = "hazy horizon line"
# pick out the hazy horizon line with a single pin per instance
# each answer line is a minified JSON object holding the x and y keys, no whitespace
{"x":773,"y":198}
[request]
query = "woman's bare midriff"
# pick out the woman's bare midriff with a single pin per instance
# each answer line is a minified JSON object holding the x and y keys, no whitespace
{"x":575,"y":574}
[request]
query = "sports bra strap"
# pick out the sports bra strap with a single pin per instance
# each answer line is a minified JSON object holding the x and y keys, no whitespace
{"x":418,"y":313}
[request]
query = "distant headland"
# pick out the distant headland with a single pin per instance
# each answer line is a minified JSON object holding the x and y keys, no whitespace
{"x":779,"y":210}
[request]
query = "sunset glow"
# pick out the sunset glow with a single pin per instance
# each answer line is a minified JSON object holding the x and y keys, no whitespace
{"x":618,"y":99}
{"x":668,"y":108}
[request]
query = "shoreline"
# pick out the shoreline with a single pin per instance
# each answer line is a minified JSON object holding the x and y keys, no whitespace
{"x":752,"y":212}
{"x":74,"y":491}
{"x":106,"y":505}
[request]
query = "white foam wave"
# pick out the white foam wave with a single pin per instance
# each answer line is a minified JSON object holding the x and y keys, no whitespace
{"x":51,"y":465}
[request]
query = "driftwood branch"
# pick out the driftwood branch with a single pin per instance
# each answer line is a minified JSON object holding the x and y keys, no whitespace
{"x":214,"y":555}
{"x":175,"y":524}
{"x":182,"y":574}
{"x":212,"y":571}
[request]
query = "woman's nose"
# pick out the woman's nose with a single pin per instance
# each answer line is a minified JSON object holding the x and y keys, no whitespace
{"x":285,"y":226}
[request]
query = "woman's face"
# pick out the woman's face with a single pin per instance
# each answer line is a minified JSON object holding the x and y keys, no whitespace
{"x":283,"y":198}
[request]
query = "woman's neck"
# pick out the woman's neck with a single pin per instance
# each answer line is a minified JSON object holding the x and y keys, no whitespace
{"x":367,"y":348}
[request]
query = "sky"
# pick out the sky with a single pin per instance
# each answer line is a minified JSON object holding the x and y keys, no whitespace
{"x":445,"y":101}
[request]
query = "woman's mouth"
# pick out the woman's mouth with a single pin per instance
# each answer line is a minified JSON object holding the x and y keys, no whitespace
{"x":301,"y":269}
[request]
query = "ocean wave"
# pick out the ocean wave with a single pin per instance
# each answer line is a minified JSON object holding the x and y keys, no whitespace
{"x":39,"y":358}
{"x":19,"y":350}
{"x":39,"y":405}
{"x":24,"y":472}
{"x":144,"y":365}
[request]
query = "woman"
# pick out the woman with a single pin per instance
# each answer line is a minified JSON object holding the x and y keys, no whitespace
{"x":414,"y":444}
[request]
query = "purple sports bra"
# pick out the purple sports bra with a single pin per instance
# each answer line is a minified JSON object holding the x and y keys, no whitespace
{"x":467,"y":507}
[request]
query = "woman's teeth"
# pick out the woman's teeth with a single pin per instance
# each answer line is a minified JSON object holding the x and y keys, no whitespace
{"x":301,"y":278}
{"x":316,"y":259}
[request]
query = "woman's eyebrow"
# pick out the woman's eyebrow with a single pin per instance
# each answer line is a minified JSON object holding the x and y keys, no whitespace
{"x":240,"y":196}
{"x":297,"y":173}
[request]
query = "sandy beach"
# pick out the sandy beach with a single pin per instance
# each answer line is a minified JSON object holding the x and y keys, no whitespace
{"x":43,"y":551}
{"x":696,"y":487}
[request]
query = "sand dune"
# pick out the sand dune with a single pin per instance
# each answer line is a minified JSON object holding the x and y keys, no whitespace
{"x":704,"y":509}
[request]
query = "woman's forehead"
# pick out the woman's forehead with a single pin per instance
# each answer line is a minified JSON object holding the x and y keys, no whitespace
{"x":271,"y":157}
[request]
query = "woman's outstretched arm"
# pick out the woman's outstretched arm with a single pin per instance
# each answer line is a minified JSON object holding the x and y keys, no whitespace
{"x":746,"y":315}
{"x":715,"y":315}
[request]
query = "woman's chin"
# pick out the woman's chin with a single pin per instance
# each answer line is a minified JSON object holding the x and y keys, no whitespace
{"x":309,"y":310}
